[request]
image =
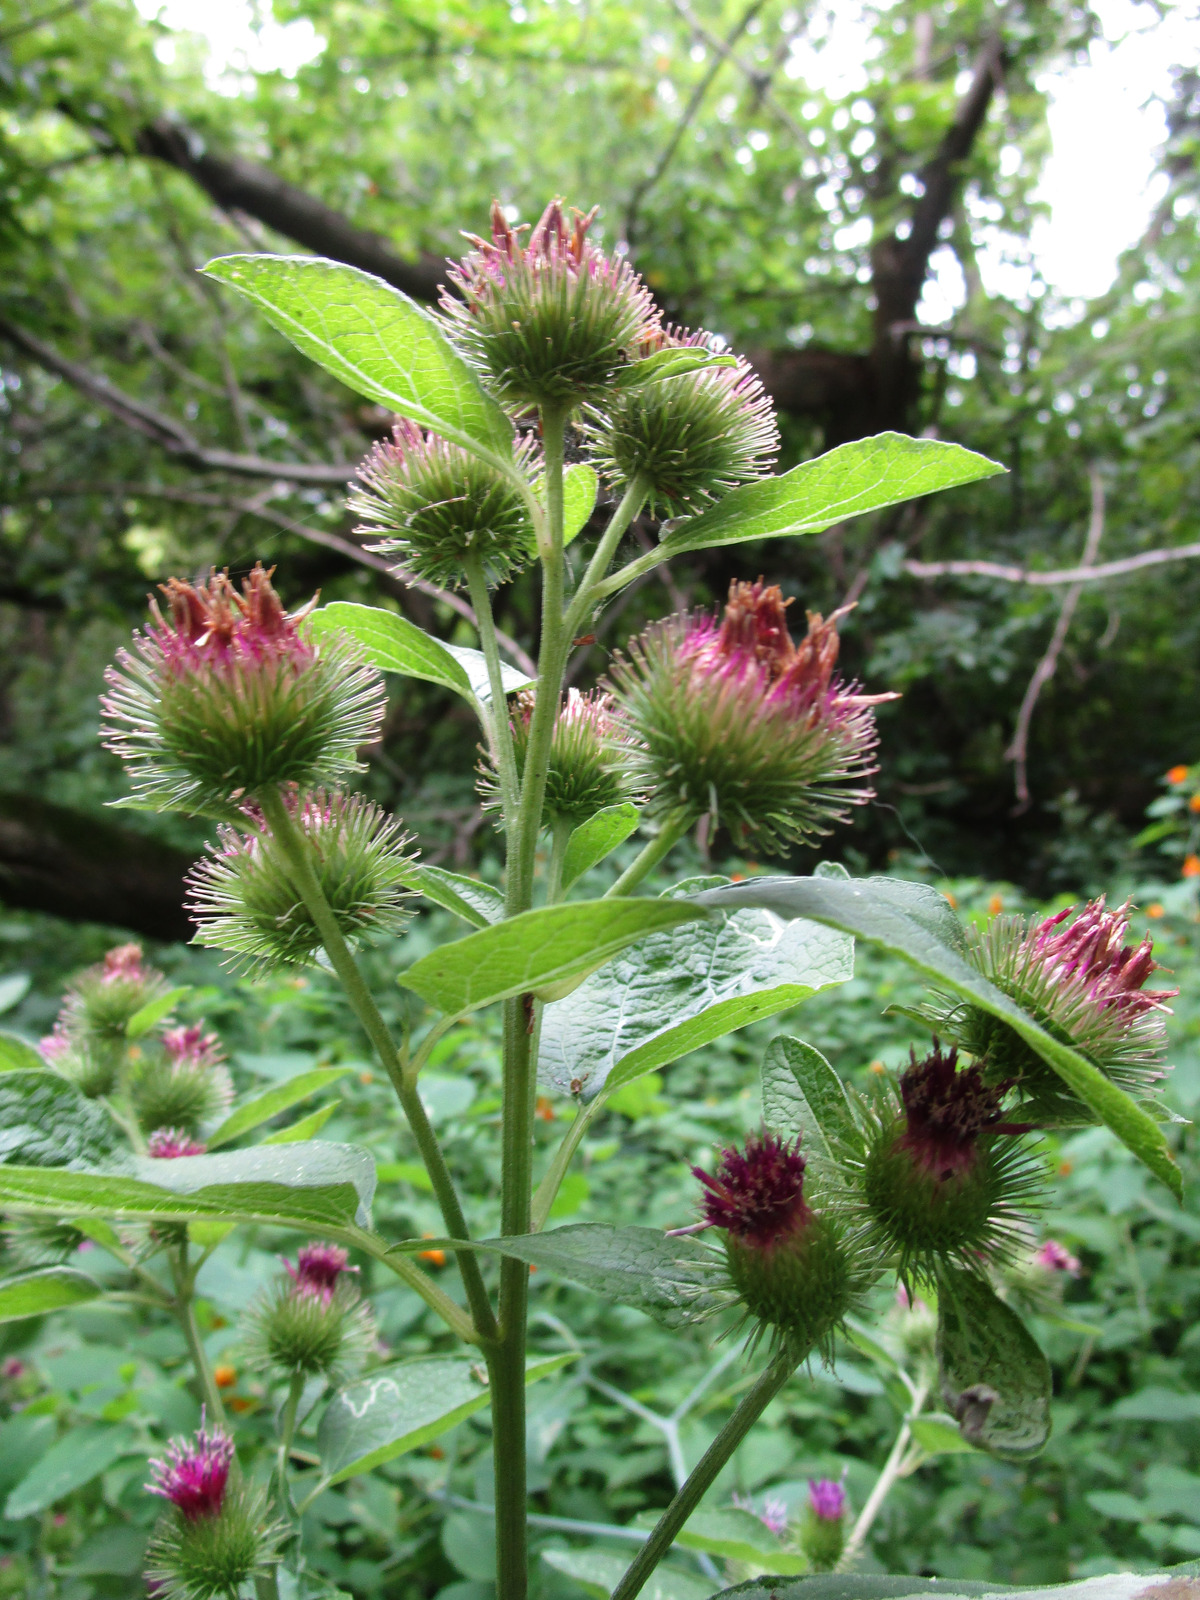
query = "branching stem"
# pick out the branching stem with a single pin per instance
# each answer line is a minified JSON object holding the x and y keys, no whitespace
{"x":655,"y":850}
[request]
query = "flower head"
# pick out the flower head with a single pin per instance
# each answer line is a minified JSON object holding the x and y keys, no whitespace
{"x":773,"y":1514}
{"x":101,"y":1000}
{"x":1076,"y":974}
{"x":733,"y":718}
{"x":435,"y":504}
{"x":589,"y":756}
{"x":226,"y":695}
{"x":689,"y":439}
{"x":194,"y":1472}
{"x":243,"y":898}
{"x":318,"y":1269}
{"x":168,"y":1144}
{"x":822,"y":1532}
{"x":312,"y":1321}
{"x":1055,"y":1258}
{"x":191,"y":1047}
{"x":827,"y":1497}
{"x":549,"y":320}
{"x":757,"y":1193}
{"x":181,"y":1084}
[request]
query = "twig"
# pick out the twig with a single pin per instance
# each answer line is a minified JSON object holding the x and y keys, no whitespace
{"x":40,"y":22}
{"x":1018,"y":750}
{"x":759,"y":81}
{"x":1060,"y":575}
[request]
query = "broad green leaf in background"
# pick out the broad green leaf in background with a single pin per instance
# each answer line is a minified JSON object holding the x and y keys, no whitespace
{"x":597,"y":837}
{"x":265,"y":1106}
{"x":403,"y":1407}
{"x":993,"y":1375}
{"x":544,"y":951}
{"x":801,"y":1093}
{"x":77,"y":1458}
{"x":470,"y":898}
{"x":154,"y":1011}
{"x":682,"y":988}
{"x":670,"y":1278}
{"x":734,"y":1534}
{"x":34,"y":1294}
{"x":13,"y":989}
{"x":393,"y":644}
{"x":871,"y":908}
{"x":939,"y":1436}
{"x":881,"y":1586}
{"x":375,"y":339}
{"x":599,"y":1572}
{"x":307,"y":1128}
{"x":46,"y":1122}
{"x":867,"y":475}
{"x":580,"y":485}
{"x":18,"y":1055}
{"x":1156,"y":1404}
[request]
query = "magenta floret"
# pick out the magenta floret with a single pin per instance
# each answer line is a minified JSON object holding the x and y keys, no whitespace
{"x":194,"y":1472}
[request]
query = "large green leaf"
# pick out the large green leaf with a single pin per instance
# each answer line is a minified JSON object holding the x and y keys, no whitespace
{"x":375,"y":339}
{"x":801,"y":1093}
{"x":867,"y":475}
{"x":476,"y":902}
{"x":265,"y":1106}
{"x":877,"y":910}
{"x":682,"y":988}
{"x":734,"y":1534}
{"x":393,"y":644}
{"x":153,"y":1012}
{"x":994,"y":1376}
{"x":597,"y":837}
{"x":320,"y":1186}
{"x":77,"y":1458}
{"x":48,"y":1289}
{"x":306,"y":1128}
{"x":599,"y":1572}
{"x":18,"y":1054}
{"x":46,"y":1122}
{"x":403,"y":1407}
{"x":546,"y":951}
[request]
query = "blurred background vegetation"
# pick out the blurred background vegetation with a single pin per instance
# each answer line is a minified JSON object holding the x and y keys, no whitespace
{"x":149,"y":426}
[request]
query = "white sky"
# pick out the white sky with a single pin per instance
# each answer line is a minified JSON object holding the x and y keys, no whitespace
{"x":1105,"y":124}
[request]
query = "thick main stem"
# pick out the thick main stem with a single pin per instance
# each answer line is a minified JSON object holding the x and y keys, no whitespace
{"x":750,"y":1408}
{"x":506,"y":1362}
{"x":291,"y":841}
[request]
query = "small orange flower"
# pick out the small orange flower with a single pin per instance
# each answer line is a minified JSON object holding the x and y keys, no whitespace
{"x":1156,"y":910}
{"x":1177,"y":775}
{"x":1194,"y":802}
{"x":995,"y":905}
{"x":737,"y":877}
{"x":1065,"y":1168}
{"x":544,"y":1109}
{"x":878,"y":1068}
{"x":436,"y":1258}
{"x":1191,"y":866}
{"x":243,"y":1402}
{"x":224,"y":1376}
{"x":952,"y":902}
{"x":436,"y":1451}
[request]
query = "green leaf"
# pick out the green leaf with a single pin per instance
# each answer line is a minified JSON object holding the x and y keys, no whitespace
{"x":46,"y":1122}
{"x":864,"y":476}
{"x":734,"y":1535}
{"x":801,"y":1093}
{"x":671,"y":363}
{"x":1120,"y":1507}
{"x":939,"y":1436}
{"x":255,"y":1112}
{"x":546,"y":951}
{"x":993,"y":1374}
{"x":678,"y":990}
{"x":393,"y":644}
{"x":13,"y":989}
{"x":375,"y":339}
{"x":878,"y":1586}
{"x":596,"y":838}
{"x":907,"y":925}
{"x":48,"y":1289}
{"x":307,"y":1128}
{"x":599,"y":1573}
{"x":154,"y":1011}
{"x":403,"y":1407}
{"x":1156,"y":1404}
{"x":580,"y":484}
{"x":470,"y":898}
{"x":77,"y":1458}
{"x":318,"y":1186}
{"x":18,"y":1054}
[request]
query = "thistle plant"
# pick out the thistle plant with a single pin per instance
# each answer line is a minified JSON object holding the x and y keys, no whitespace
{"x":233,"y":707}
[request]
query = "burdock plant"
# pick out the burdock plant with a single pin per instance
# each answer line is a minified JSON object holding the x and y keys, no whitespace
{"x":238,"y":706}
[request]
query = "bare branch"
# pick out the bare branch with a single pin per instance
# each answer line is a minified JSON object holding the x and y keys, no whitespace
{"x":1061,"y":575}
{"x":760,"y":82}
{"x":1018,"y":750}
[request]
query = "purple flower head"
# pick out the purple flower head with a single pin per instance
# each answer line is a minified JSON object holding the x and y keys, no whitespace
{"x":1055,"y":1257}
{"x":125,"y":963}
{"x":58,"y":1045}
{"x":587,"y":767}
{"x":946,"y":1109}
{"x":214,"y":629}
{"x":827,"y":1497}
{"x":192,"y":1048}
{"x":194,"y":1472}
{"x":166,"y":1144}
{"x":1090,"y":955}
{"x":12,"y":1368}
{"x":318,"y":1269}
{"x":757,"y":1194}
{"x":773,"y":1516}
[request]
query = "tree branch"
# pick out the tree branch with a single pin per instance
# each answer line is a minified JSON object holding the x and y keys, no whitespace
{"x":1049,"y":580}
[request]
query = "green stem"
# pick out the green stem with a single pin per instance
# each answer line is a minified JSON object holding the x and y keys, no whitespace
{"x":893,"y":1469}
{"x":295,"y":849}
{"x":506,"y":1362}
{"x":664,"y":841}
{"x":548,"y":1189}
{"x":560,"y":837}
{"x":628,"y":509}
{"x":185,"y":1312}
{"x":497,"y":725}
{"x":287,"y":1429}
{"x":751,"y":1407}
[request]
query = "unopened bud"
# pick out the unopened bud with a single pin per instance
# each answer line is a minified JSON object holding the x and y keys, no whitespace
{"x":312,"y":1321}
{"x":823,"y":1526}
{"x":182,"y":1083}
{"x":588,"y":765}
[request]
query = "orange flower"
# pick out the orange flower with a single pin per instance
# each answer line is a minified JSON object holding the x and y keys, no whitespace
{"x":878,"y":1068}
{"x":224,"y":1376}
{"x":1156,"y":910}
{"x":544,"y":1109}
{"x":1194,"y":802}
{"x":1177,"y":775}
{"x":366,"y":1077}
{"x":1191,"y":866}
{"x":952,"y":902}
{"x":995,"y":905}
{"x":243,"y":1402}
{"x":436,"y":1258}
{"x":1065,"y":1168}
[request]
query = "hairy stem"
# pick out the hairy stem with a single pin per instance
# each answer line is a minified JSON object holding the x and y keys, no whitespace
{"x":295,"y":849}
{"x":893,"y":1469}
{"x":499,"y":733}
{"x":185,"y":1312}
{"x":559,"y":839}
{"x":750,"y":1408}
{"x":664,"y":841}
{"x":548,"y":1189}
{"x":628,"y":509}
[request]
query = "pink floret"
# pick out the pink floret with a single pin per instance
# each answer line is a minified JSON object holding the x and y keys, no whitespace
{"x":827,"y":1498}
{"x":194,"y":1472}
